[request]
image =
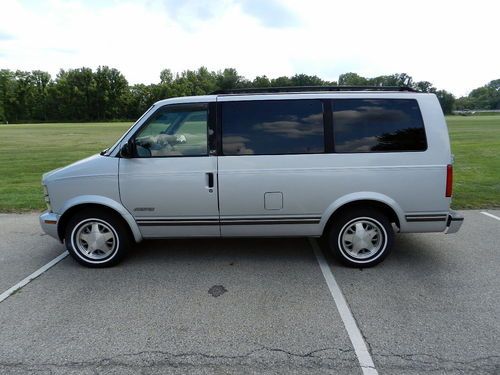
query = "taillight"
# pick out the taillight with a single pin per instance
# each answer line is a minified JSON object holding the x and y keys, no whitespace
{"x":449,"y":180}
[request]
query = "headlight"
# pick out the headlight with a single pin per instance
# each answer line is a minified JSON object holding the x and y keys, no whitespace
{"x":46,"y":197}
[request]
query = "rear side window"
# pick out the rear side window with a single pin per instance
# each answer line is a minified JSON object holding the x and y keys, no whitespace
{"x":267,"y":127}
{"x":378,"y":125}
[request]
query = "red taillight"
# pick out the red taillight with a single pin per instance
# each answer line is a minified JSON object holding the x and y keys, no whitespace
{"x":449,"y":180}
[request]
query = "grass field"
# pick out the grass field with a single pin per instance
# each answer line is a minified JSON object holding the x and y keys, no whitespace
{"x":27,"y":151}
{"x":475,"y":142}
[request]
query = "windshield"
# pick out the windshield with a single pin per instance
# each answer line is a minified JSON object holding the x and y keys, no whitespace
{"x":108,"y":151}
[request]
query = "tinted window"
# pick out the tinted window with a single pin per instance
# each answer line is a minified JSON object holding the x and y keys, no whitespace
{"x":373,"y":125}
{"x":272,"y":127}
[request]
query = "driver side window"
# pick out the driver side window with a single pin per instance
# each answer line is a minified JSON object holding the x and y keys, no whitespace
{"x":174,"y":132}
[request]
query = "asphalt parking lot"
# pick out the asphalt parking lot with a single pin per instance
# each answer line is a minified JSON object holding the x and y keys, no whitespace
{"x":256,"y":306}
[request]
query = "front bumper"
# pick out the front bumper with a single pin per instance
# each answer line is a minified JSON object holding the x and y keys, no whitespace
{"x":454,"y":222}
{"x":48,"y":222}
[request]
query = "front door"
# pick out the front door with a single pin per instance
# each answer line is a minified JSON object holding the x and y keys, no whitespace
{"x":170,"y":185}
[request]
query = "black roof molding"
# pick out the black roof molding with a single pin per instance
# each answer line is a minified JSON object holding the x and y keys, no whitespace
{"x":273,"y":90}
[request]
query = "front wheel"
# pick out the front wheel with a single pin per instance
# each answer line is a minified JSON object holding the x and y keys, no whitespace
{"x":361,"y":237}
{"x":96,"y":238}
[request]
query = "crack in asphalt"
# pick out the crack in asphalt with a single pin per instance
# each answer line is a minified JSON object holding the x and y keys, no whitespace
{"x":137,"y":360}
{"x":123,"y":360}
{"x":441,"y":363}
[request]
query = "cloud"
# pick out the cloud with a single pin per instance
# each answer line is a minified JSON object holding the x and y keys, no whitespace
{"x":5,"y":36}
{"x":294,"y":127}
{"x":67,"y":51}
{"x":270,"y":13}
{"x":236,"y":145}
{"x":187,"y":11}
{"x":358,"y":145}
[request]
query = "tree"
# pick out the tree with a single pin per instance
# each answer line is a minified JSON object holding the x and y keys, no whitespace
{"x":484,"y":97}
{"x":447,"y":101}
{"x":281,"y":82}
{"x":306,"y":80}
{"x":352,"y":79}
{"x":41,"y":81}
{"x":398,"y":79}
{"x":7,"y":95}
{"x":424,"y":86}
{"x":229,"y":79}
{"x":23,"y":96}
{"x":464,"y":103}
{"x":74,"y":91}
{"x":261,"y":81}
{"x":110,"y":91}
{"x":166,"y":77}
{"x":84,"y":95}
{"x":137,"y":100}
{"x":494,"y":85}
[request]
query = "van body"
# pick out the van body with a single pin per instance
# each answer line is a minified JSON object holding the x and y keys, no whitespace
{"x":349,"y":166}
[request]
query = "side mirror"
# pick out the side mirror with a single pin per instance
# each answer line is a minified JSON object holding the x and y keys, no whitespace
{"x":128,"y":149}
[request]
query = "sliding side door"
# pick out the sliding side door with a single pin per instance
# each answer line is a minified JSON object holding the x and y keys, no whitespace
{"x":267,"y":181}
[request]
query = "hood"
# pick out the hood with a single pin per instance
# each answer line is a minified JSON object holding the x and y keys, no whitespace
{"x":91,"y":166}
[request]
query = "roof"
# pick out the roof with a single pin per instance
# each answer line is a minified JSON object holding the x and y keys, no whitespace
{"x":301,"y":89}
{"x":301,"y":92}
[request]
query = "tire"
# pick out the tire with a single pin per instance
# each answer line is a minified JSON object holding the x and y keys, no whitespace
{"x":97,"y":238}
{"x":361,"y":237}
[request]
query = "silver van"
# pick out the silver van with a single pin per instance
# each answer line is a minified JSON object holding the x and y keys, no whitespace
{"x":350,"y":165}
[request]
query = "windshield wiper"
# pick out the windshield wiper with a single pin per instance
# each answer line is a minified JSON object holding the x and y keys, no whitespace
{"x":103,"y":151}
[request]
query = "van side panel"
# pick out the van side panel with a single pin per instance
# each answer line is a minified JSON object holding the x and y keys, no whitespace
{"x":311,"y":183}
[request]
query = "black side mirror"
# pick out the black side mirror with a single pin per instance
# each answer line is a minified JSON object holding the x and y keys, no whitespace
{"x":128,"y":149}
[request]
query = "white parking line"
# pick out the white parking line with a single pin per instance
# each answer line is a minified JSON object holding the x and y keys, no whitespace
{"x":33,"y":276}
{"x":490,"y":215}
{"x":359,"y":344}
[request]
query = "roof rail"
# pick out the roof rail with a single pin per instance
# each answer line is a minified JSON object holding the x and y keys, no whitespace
{"x":264,"y":90}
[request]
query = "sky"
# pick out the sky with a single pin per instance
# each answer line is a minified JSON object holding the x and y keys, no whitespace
{"x":453,"y":44}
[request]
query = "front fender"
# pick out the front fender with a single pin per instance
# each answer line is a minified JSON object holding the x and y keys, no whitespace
{"x":108,"y":202}
{"x":361,"y":196}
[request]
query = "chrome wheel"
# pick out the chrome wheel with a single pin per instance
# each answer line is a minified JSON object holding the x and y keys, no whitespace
{"x":95,"y":239}
{"x":362,"y":238}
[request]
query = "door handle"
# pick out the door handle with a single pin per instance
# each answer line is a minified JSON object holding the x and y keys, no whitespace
{"x":210,"y":177}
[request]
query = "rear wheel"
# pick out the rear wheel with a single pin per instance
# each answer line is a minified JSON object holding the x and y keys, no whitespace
{"x":96,"y":238}
{"x":361,"y":237}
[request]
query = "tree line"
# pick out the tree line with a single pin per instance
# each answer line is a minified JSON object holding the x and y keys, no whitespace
{"x":484,"y":97}
{"x":105,"y":95}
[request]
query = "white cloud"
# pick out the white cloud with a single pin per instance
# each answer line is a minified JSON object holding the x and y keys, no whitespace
{"x":450,"y":43}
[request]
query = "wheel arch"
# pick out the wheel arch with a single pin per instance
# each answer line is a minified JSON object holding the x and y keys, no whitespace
{"x":363,"y":200}
{"x":98,"y":202}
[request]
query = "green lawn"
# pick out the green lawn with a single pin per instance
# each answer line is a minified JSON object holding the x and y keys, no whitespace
{"x":27,"y":151}
{"x":475,"y":142}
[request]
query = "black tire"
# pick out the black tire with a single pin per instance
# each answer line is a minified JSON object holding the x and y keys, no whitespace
{"x":363,"y":251}
{"x":104,"y":224}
